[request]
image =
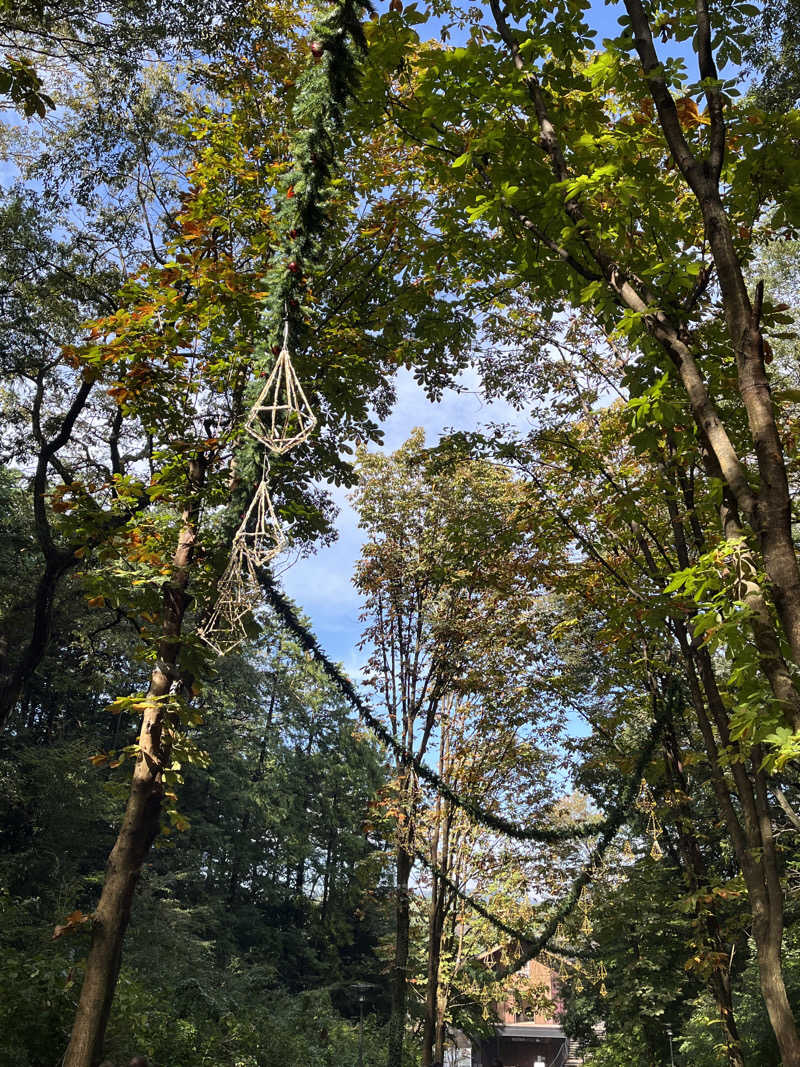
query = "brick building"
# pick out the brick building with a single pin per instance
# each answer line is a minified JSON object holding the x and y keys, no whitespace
{"x":526,"y":1037}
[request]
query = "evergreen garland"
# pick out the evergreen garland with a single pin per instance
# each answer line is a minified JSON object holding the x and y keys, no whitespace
{"x":546,"y":834}
{"x":303,"y":197}
{"x":532,"y":944}
{"x":525,"y":938}
{"x":336,"y":42}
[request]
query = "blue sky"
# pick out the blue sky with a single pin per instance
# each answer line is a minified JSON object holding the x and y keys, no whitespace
{"x":321,"y":585}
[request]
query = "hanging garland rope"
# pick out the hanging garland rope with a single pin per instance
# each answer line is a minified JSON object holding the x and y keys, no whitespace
{"x":525,"y":938}
{"x":531,"y":945}
{"x":543,"y":834}
{"x":280,"y":416}
{"x":336,"y":42}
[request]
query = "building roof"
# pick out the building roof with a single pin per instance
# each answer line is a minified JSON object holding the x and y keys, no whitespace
{"x":530,"y":1030}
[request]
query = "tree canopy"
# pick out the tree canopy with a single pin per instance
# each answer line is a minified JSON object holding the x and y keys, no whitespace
{"x":572,"y":730}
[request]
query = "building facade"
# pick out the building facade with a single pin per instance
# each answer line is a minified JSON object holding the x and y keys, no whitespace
{"x":527,"y":1036}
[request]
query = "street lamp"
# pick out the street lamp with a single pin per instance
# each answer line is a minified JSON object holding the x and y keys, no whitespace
{"x":669,"y":1035}
{"x":361,"y":989}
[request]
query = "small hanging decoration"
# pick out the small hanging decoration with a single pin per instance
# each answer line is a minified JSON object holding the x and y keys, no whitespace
{"x":578,"y":986}
{"x":281,"y":417}
{"x":654,"y":830}
{"x":259,"y":537}
{"x":645,"y":801}
{"x":586,"y":925}
{"x":238,"y":597}
{"x":627,"y":852}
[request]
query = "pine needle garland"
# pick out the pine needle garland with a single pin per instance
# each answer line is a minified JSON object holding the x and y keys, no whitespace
{"x":302,"y":213}
{"x":605,"y":829}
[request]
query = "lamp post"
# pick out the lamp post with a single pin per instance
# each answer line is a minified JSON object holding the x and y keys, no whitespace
{"x":361,"y":989}
{"x":669,"y":1035}
{"x":360,"y":1030}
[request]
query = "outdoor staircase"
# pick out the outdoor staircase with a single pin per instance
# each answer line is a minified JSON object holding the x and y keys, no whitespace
{"x":574,"y":1058}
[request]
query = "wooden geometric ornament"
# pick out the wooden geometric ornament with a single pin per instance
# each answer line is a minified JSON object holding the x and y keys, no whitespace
{"x":281,"y":416}
{"x":238,"y":596}
{"x":259,"y":537}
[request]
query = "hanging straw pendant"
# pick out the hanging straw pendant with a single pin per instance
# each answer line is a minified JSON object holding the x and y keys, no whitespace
{"x":259,"y":537}
{"x":645,"y":801}
{"x":237,"y":598}
{"x":281,"y":417}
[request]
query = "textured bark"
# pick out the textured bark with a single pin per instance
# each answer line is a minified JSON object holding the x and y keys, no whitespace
{"x":773,"y":990}
{"x":696,"y":876}
{"x":140,"y":823}
{"x":399,"y":985}
{"x":440,"y":855}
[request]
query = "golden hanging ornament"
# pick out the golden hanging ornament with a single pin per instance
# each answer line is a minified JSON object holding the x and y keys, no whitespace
{"x":586,"y":925}
{"x":259,"y":537}
{"x":654,"y":830}
{"x":281,"y":417}
{"x":645,"y":801}
{"x":627,"y":852}
{"x":238,"y":596}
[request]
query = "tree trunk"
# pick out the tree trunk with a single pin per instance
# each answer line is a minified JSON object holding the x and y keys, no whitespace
{"x":435,"y":926}
{"x":773,"y":990}
{"x":435,"y":930}
{"x":397,"y":1018}
{"x":34,"y":651}
{"x":439,"y":1045}
{"x":754,"y":846}
{"x":696,"y":876}
{"x":110,"y":921}
{"x":140,"y":823}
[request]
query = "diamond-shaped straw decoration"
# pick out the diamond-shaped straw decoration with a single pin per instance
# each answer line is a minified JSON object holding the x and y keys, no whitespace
{"x":645,"y":801}
{"x":281,"y":417}
{"x":259,"y":537}
{"x":238,"y":597}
